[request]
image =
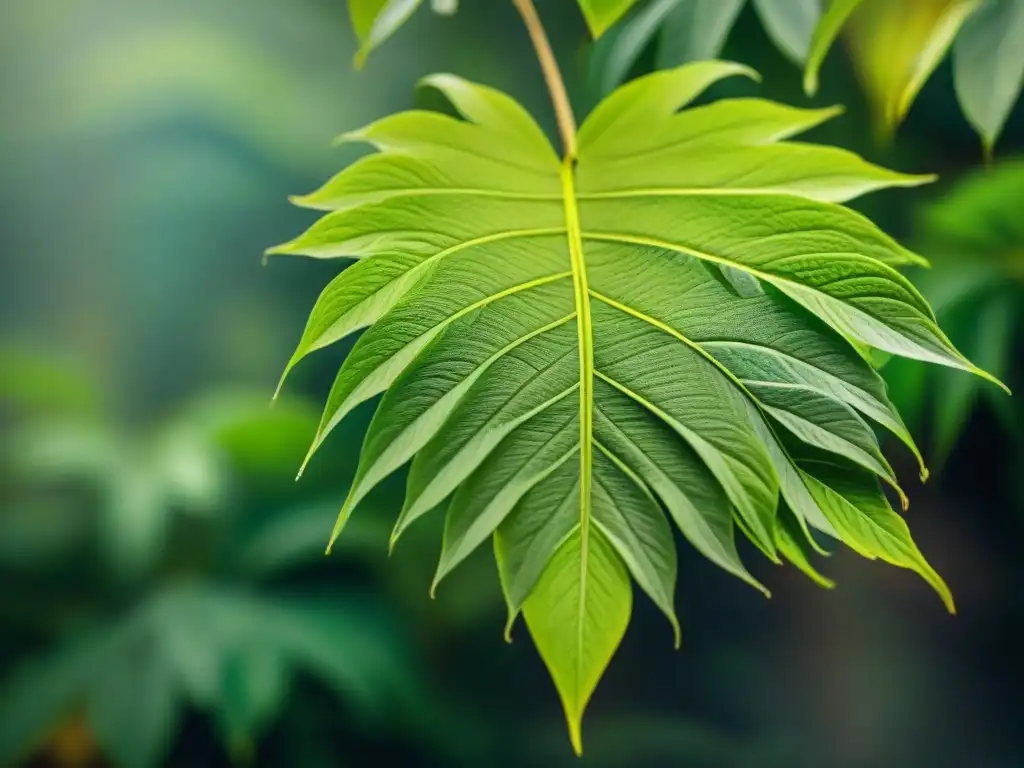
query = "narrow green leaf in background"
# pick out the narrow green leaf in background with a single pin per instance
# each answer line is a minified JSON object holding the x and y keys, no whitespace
{"x":828,"y":29}
{"x":695,"y":30}
{"x":790,"y":24}
{"x":616,"y":52}
{"x":988,"y":66}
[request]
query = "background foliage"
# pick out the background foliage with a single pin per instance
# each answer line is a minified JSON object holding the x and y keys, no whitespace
{"x":134,"y":203}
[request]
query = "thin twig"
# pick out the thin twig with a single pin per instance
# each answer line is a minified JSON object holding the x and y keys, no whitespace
{"x":552,"y":75}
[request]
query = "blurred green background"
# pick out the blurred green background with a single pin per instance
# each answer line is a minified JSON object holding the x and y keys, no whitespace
{"x":163,"y":595}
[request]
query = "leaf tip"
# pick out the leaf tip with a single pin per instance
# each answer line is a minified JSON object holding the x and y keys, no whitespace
{"x":945,"y":594}
{"x":596,"y":24}
{"x":989,"y":377}
{"x":440,"y":574}
{"x":303,"y":201}
{"x":924,"y":474}
{"x":987,"y":151}
{"x":318,"y":439}
{"x":438,"y":80}
{"x":743,"y":69}
{"x":921,"y":566}
{"x":278,"y":250}
{"x":346,"y":137}
{"x":339,"y":524}
{"x":510,"y":621}
{"x":825,"y":114}
{"x":811,"y":82}
{"x":280,"y":386}
{"x":575,"y":733}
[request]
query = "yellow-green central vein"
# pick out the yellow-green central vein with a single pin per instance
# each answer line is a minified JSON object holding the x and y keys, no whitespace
{"x":586,"y":344}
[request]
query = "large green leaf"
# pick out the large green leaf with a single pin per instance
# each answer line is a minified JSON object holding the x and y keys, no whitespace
{"x":577,"y":352}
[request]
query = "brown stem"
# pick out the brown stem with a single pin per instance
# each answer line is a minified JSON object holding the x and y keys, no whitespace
{"x":552,"y":75}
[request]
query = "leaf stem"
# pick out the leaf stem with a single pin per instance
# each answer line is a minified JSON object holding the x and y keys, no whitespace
{"x":552,"y":75}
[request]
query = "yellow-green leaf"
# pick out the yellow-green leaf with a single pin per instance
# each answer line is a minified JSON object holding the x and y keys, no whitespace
{"x":574,"y":355}
{"x":897,"y":44}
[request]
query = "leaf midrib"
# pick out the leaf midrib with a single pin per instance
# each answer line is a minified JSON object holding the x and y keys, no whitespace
{"x":581,"y":292}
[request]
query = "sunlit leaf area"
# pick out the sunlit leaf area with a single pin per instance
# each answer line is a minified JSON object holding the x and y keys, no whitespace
{"x":532,"y":383}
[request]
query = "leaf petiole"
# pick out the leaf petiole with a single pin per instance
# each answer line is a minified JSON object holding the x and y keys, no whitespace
{"x":552,"y":75}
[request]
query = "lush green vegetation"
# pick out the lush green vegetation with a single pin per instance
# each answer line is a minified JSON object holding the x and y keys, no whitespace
{"x":606,"y":349}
